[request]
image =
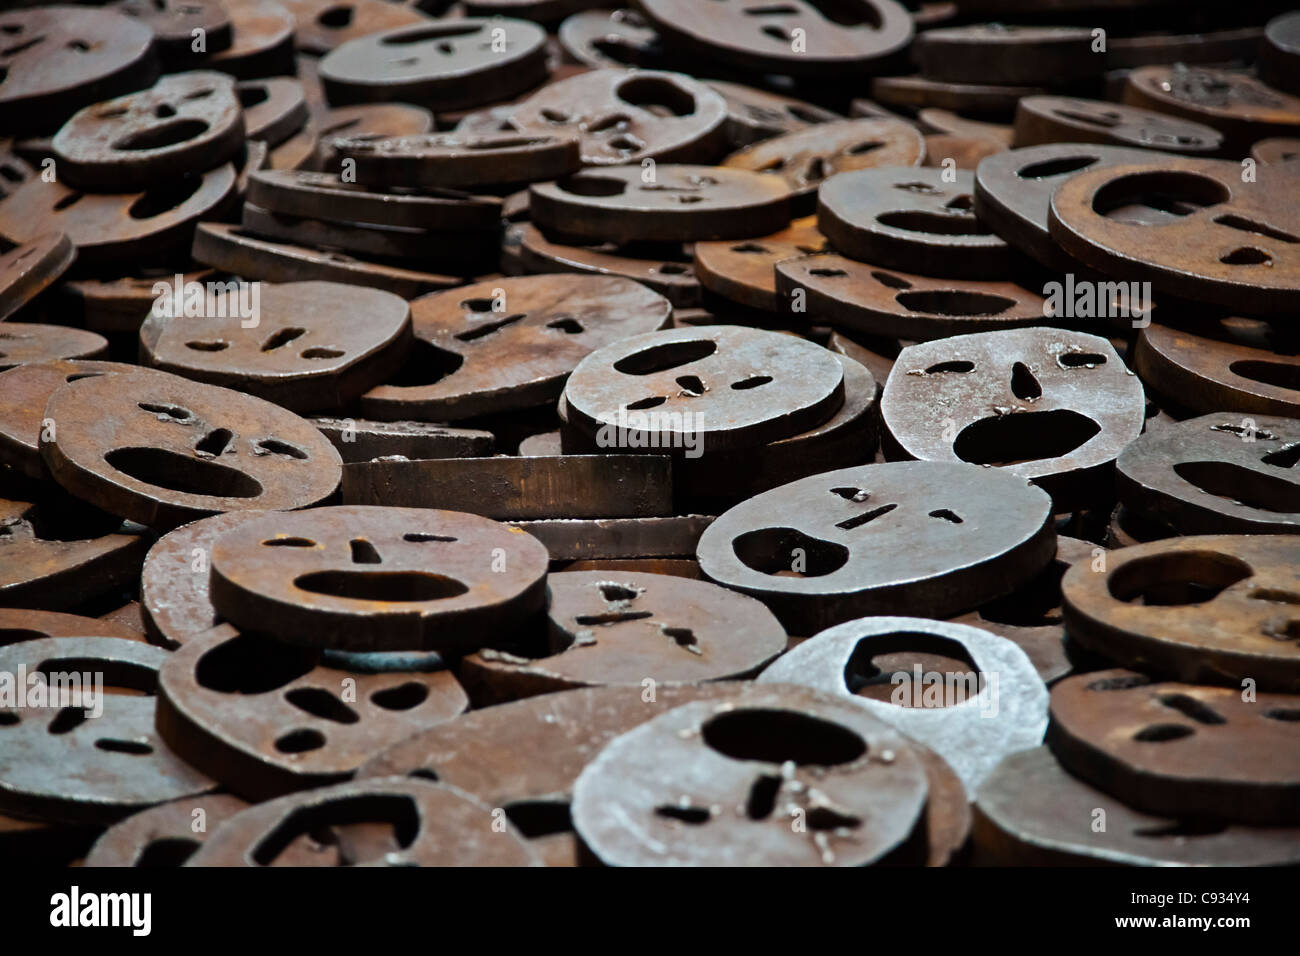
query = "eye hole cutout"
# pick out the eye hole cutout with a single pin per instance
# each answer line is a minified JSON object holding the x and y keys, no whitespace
{"x":1176,"y":578}
{"x":289,"y":543}
{"x":1163,"y":733}
{"x":1174,"y":192}
{"x":781,"y":736}
{"x":661,"y":358}
{"x":1051,"y":168}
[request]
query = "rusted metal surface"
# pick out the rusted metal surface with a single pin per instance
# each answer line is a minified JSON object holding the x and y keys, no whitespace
{"x":164,"y":835}
{"x":562,"y":486}
{"x":741,"y":387}
{"x":24,"y":624}
{"x":1008,"y":55}
{"x":1239,"y":106}
{"x":804,"y":159}
{"x":61,"y":58}
{"x":274,"y":108}
{"x":26,"y":343}
{"x":267,"y":718}
{"x":1207,"y":609}
{"x":1031,"y":812}
{"x":876,"y":31}
{"x":628,"y":628}
{"x":680,"y":204}
{"x":359,"y":440}
{"x":1013,"y":192}
{"x":754,"y":115}
{"x":572,"y":539}
{"x":507,"y":344}
{"x":1055,"y":119}
{"x":307,"y":352}
{"x":185,"y":123}
{"x":234,"y":250}
{"x":162,"y":450}
{"x":1216,"y":474}
{"x":434,"y":586}
{"x":1279,"y":54}
{"x":124,"y":229}
{"x":990,"y":703}
{"x":885,"y":302}
{"x":445,"y":65}
{"x":323,"y":25}
{"x":743,"y":270}
{"x":263,"y":40}
{"x":1180,"y":749}
{"x":460,"y":161}
{"x":447,"y":828}
{"x":734,"y":774}
{"x":1052,"y":406}
{"x":919,"y":92}
{"x":916,"y":220}
{"x":1229,"y":364}
{"x":59,"y":764}
{"x":58,"y":554}
{"x":964,"y":152}
{"x":29,"y":269}
{"x":881,"y":539}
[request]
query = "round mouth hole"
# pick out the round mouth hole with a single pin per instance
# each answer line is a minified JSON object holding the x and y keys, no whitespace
{"x":1177,"y":578}
{"x":163,"y":135}
{"x":1023,"y":437}
{"x":789,"y":552}
{"x":1175,"y":193}
{"x":182,"y":473}
{"x":781,"y":736}
{"x":387,"y":586}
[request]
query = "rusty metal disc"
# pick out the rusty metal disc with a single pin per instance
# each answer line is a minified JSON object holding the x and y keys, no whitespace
{"x":722,"y":386}
{"x":863,"y":36}
{"x":1008,"y":55}
{"x":1031,"y":615}
{"x":1279,"y":54}
{"x":174,"y":22}
{"x":669,"y":203}
{"x":360,"y":440}
{"x":443,"y":65}
{"x":24,"y":624}
{"x":778,"y":775}
{"x":1277,"y":149}
{"x":1181,"y":750}
{"x":1239,"y":106}
{"x":456,"y":160}
{"x":1056,"y":119}
{"x":1229,"y":363}
{"x":274,"y":108}
{"x":184,"y":123}
{"x":307,"y":351}
{"x":60,"y":554}
{"x":313,"y":148}
{"x":612,"y":38}
{"x":114,"y":228}
{"x":1216,"y":474}
{"x":231,"y":249}
{"x":165,"y":835}
{"x":805,"y":158}
{"x":58,"y":59}
{"x":963,"y":152}
{"x":312,"y":578}
{"x":919,"y":92}
{"x":163,"y":450}
{"x":671,"y":273}
{"x":933,"y":120}
{"x":120,"y":304}
{"x":524,"y":756}
{"x":29,"y":269}
{"x":58,"y":762}
{"x":625,"y":628}
{"x":23,"y":343}
{"x":1207,"y":46}
{"x":436,"y":824}
{"x":1031,"y":812}
{"x":1209,"y":236}
{"x":262,"y":44}
{"x":510,"y":343}
{"x":883,"y":302}
{"x":754,"y":115}
{"x":24,"y":392}
{"x":911,"y":219}
{"x":1048,"y":405}
{"x":830,"y":548}
{"x":266,"y":718}
{"x":14,"y":170}
{"x":465,"y":252}
{"x":322,"y":195}
{"x":743,"y":271}
{"x":326,"y":24}
{"x":175,"y":606}
{"x":1013,"y":192}
{"x":1211,"y":609}
{"x":969,"y":695}
{"x":626,"y":116}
